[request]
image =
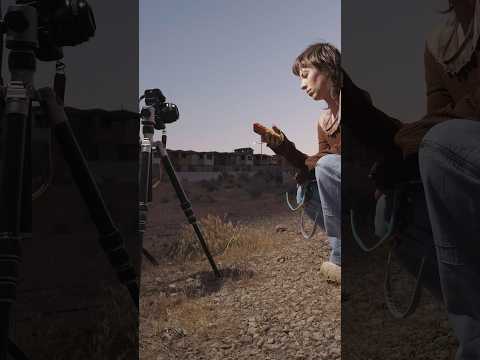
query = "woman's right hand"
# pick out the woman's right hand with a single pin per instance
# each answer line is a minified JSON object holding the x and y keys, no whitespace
{"x":273,"y":137}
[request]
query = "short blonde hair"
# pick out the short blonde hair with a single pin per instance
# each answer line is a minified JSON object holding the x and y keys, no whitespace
{"x":324,"y":57}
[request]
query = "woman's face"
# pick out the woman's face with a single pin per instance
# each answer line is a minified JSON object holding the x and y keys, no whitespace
{"x":315,"y":83}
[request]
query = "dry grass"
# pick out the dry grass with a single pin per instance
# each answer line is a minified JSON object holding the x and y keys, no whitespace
{"x":191,"y":315}
{"x":113,"y":335}
{"x":222,"y":236}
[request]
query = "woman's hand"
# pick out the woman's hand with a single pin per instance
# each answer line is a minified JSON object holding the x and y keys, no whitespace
{"x":273,"y":137}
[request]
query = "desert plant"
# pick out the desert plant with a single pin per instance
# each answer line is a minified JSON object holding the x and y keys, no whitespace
{"x":221,"y":236}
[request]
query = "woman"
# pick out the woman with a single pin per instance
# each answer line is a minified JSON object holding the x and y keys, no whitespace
{"x":447,"y":142}
{"x":319,"y":176}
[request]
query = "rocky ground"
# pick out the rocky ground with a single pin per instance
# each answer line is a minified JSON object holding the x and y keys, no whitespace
{"x":271,"y":304}
{"x":370,"y":331}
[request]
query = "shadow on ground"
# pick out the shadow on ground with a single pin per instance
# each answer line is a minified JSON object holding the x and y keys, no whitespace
{"x":203,"y":283}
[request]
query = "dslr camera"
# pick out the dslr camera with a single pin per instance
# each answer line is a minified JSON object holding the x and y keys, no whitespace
{"x":157,"y":112}
{"x":58,"y":23}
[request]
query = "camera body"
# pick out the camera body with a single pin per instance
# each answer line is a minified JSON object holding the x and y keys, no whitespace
{"x":59,"y":23}
{"x":158,"y":112}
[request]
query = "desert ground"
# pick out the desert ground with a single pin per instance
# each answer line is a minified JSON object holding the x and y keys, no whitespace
{"x":272,"y":302}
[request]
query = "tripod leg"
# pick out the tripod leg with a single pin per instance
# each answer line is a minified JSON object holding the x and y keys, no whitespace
{"x":150,"y":257}
{"x":13,"y":217}
{"x":186,"y":206}
{"x":145,"y":188}
{"x":110,"y":238}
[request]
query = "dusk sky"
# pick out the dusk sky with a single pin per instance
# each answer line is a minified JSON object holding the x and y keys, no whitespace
{"x":227,"y":64}
{"x":383,"y":46}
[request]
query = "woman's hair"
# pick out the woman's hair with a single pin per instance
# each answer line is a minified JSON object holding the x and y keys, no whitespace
{"x":449,"y":9}
{"x":324,"y":57}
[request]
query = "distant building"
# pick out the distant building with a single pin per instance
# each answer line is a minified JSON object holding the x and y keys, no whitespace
{"x":191,"y":160}
{"x":240,"y":160}
{"x":265,"y":160}
{"x":247,"y":150}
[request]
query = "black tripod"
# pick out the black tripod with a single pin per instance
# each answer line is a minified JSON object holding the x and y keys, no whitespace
{"x":148,"y":128}
{"x":15,"y":189}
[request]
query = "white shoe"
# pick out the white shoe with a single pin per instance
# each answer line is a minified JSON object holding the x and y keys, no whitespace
{"x":332,"y":272}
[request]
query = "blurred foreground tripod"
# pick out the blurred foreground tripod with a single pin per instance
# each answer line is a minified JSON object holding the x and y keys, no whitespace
{"x":15,"y":182}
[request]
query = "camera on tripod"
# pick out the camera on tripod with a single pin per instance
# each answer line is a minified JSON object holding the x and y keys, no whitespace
{"x":155,"y":115}
{"x":59,"y":23}
{"x":157,"y":112}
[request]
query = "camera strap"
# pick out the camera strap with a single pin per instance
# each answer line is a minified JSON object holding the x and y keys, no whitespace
{"x":60,"y":81}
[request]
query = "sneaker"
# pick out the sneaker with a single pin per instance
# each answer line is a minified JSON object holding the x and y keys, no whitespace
{"x":331,"y":272}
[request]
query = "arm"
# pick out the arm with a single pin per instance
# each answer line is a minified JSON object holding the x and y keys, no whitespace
{"x":287,"y":149}
{"x":363,"y":121}
{"x":366,"y":126}
{"x":440,"y":107}
{"x":295,"y":157}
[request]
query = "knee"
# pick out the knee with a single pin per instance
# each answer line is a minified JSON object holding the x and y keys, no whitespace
{"x":439,"y":134}
{"x":438,"y":145}
{"x":451,"y":134}
{"x":442,"y":139}
{"x":327,"y":165}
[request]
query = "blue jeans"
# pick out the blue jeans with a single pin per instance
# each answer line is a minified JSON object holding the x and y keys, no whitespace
{"x":449,"y":160}
{"x":323,"y":201}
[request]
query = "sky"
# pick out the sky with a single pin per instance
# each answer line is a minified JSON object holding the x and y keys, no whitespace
{"x":227,"y":64}
{"x":383,"y":46}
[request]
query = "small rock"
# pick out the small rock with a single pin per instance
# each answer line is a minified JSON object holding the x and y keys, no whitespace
{"x":273,"y":346}
{"x":246,"y":339}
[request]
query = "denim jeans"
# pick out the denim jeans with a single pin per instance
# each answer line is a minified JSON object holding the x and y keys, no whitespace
{"x":323,"y":201}
{"x":449,"y":160}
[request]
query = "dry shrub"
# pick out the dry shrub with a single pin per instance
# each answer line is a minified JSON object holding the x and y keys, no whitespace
{"x":221,"y":236}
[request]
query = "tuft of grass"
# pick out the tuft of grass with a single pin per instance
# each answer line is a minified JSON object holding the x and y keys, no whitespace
{"x":221,"y":236}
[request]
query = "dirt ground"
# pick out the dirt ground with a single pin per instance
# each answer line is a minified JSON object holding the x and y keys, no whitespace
{"x":272,"y":302}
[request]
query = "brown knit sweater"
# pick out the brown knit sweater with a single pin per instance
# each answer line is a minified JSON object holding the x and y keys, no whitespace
{"x":305,"y":165}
